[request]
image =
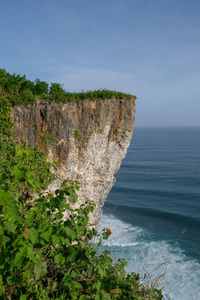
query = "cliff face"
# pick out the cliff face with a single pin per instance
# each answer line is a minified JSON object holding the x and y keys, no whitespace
{"x":90,"y":138}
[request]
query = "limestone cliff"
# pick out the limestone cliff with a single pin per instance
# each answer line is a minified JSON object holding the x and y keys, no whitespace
{"x":89,"y":137}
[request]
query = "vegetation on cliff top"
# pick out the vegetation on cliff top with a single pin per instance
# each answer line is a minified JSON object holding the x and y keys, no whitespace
{"x":18,"y":90}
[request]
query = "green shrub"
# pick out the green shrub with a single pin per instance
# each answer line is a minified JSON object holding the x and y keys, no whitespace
{"x":57,"y":93}
{"x":28,"y":85}
{"x":78,"y":136}
{"x":48,"y":139}
{"x":18,"y":90}
{"x":44,"y":256}
{"x":27,"y":96}
{"x":41,"y":88}
{"x":23,"y":168}
{"x":5,"y":121}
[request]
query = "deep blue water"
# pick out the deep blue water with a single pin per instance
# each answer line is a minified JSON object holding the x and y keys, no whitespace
{"x":154,"y":209}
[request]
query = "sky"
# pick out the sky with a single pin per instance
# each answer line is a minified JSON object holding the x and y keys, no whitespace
{"x":150,"y":48}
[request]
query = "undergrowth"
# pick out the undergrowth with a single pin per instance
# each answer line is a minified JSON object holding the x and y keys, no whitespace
{"x":44,"y":256}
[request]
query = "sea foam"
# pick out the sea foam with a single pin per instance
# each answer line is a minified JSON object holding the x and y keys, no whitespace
{"x":158,"y":262}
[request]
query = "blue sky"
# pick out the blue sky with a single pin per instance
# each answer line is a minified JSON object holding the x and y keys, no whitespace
{"x":150,"y":48}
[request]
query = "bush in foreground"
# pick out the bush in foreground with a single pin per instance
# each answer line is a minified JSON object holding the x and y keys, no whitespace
{"x":45,"y":257}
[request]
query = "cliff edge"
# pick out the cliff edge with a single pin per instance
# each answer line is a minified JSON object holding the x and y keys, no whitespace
{"x":89,"y":137}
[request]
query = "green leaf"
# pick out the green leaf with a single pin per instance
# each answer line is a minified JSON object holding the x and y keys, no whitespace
{"x":70,"y":232}
{"x":7,"y":200}
{"x":29,"y":180}
{"x":30,"y":251}
{"x":82,"y":297}
{"x":33,"y":235}
{"x":40,"y":269}
{"x":9,"y":280}
{"x":77,"y":286}
{"x":19,"y":153}
{"x":59,"y":259}
{"x":106,"y":235}
{"x":56,"y":241}
{"x":18,"y":173}
{"x":27,"y":275}
{"x":18,"y":261}
{"x":101,"y":270}
{"x":9,"y":226}
{"x":66,"y":241}
{"x":46,"y":235}
{"x":98,"y":286}
{"x":23,"y":297}
{"x":72,"y":196}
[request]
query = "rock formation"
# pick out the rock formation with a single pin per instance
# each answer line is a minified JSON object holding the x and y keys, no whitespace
{"x":89,"y":137}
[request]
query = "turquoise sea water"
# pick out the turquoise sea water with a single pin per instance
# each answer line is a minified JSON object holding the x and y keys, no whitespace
{"x":154,"y":209}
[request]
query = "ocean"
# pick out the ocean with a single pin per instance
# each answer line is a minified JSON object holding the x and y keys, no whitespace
{"x":154,"y":210}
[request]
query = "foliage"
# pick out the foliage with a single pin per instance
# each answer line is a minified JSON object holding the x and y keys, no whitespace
{"x":78,"y":136}
{"x":44,"y":256}
{"x":48,"y":139}
{"x":22,"y":168}
{"x":5,"y":122}
{"x":20,"y":91}
{"x":41,"y":88}
{"x":57,"y":93}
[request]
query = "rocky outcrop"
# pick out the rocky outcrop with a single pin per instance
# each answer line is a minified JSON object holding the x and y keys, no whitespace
{"x":89,"y":137}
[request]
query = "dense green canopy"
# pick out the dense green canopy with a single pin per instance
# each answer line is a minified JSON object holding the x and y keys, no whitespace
{"x":18,"y":90}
